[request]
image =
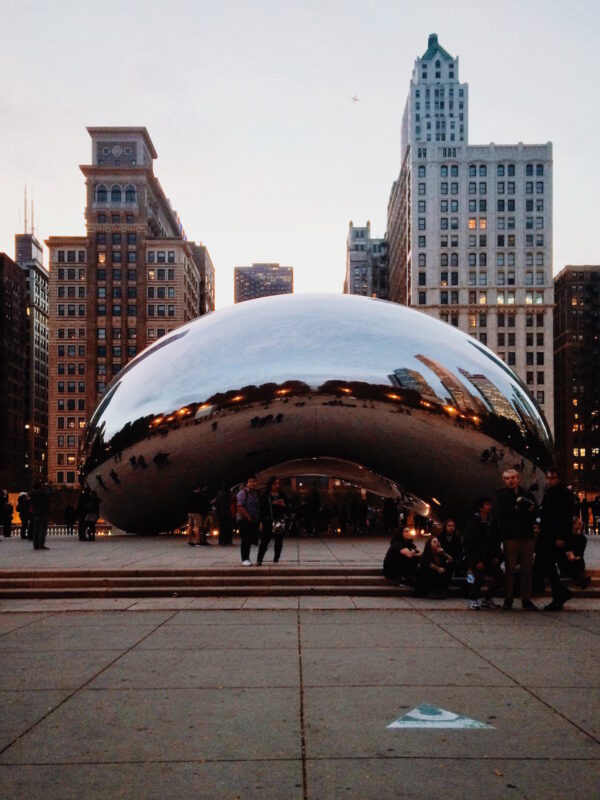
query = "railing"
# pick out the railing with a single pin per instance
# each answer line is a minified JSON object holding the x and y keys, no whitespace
{"x":62,"y":530}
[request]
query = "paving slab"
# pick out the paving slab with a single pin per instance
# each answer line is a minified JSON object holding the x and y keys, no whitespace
{"x":11,"y":622}
{"x":246,"y":780}
{"x":326,"y":602}
{"x":235,"y":617}
{"x":580,"y":707}
{"x":271,"y":602}
{"x":458,"y":779}
{"x":68,"y":670}
{"x":163,"y":669}
{"x":155,"y":725}
{"x":394,"y":666}
{"x":489,"y":617}
{"x":102,"y":619}
{"x":21,"y":709}
{"x":398,"y":617}
{"x":588,"y":620}
{"x":351,"y":722}
{"x":547,"y":637}
{"x":253,"y":637}
{"x":380,"y":602}
{"x":74,"y":637}
{"x":377,"y":634}
{"x":559,"y":668}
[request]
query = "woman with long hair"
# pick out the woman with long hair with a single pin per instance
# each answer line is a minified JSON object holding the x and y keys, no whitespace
{"x":273,"y":520}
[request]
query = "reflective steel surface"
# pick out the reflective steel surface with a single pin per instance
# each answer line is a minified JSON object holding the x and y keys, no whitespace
{"x":360,"y":384}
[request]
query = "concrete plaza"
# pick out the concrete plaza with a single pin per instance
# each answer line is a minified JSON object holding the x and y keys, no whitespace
{"x":288,"y":697}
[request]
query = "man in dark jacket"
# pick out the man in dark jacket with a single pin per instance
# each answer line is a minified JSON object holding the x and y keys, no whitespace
{"x":40,"y":507}
{"x":483,"y":557}
{"x":557,"y":519}
{"x":516,"y":514}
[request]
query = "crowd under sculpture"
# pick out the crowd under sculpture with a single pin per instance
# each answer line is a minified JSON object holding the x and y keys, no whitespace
{"x":342,"y":385}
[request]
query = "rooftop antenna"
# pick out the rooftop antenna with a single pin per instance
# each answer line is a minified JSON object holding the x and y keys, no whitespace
{"x":25,"y":208}
{"x":32,"y":217}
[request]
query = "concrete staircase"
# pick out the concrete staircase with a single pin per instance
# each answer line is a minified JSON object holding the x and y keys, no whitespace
{"x":275,"y":581}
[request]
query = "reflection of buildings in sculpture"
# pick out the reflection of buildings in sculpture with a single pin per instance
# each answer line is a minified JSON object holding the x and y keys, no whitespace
{"x":493,"y":397}
{"x":458,"y":392}
{"x":521,"y":404}
{"x":262,"y":280}
{"x":411,"y":379}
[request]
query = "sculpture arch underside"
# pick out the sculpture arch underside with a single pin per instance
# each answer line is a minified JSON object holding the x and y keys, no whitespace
{"x":338,"y":385}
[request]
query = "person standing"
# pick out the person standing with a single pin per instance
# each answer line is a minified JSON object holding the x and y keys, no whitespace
{"x":557,"y":518}
{"x":198,"y":508}
{"x":24,"y":513}
{"x":516,"y":514}
{"x":273,"y":520}
{"x":92,"y":514}
{"x":248,"y":513}
{"x":82,"y":501}
{"x":483,"y":557}
{"x":40,"y":507}
{"x":6,"y":512}
{"x":70,"y":517}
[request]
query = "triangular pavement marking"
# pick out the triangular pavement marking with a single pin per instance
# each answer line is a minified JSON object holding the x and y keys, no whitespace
{"x":426,"y":716}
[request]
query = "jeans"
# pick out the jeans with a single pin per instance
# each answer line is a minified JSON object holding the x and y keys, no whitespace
{"x":40,"y":528}
{"x":264,"y":544}
{"x":249,"y":534}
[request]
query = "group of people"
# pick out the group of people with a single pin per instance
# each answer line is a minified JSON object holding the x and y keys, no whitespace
{"x":259,"y":518}
{"x":518,"y":541}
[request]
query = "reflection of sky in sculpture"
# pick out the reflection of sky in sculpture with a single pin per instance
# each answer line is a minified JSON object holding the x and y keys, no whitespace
{"x":313,"y":338}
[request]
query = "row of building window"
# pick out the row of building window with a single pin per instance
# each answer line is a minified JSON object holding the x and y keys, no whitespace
{"x":115,"y":193}
{"x":116,"y":292}
{"x":502,"y":187}
{"x":161,"y":310}
{"x":70,"y":368}
{"x":71,"y":387}
{"x":117,"y":257}
{"x":115,"y":310}
{"x":70,"y":423}
{"x":116,"y":333}
{"x":115,"y":219}
{"x":70,"y":404}
{"x":474,"y":278}
{"x":502,"y":297}
{"x":116,"y":351}
{"x":71,"y":291}
{"x":70,"y":349}
{"x":502,"y":240}
{"x":116,"y":274}
{"x":60,"y":477}
{"x":71,"y":256}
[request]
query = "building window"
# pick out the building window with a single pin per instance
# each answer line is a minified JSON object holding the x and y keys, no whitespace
{"x":422,"y":298}
{"x":115,"y":194}
{"x":130,"y":194}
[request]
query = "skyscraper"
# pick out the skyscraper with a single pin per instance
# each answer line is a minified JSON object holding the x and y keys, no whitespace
{"x":133,"y":278}
{"x":470,"y":227}
{"x":29,"y":258}
{"x":577,"y":375}
{"x":262,"y":280}
{"x":13,"y":375}
{"x":366,"y":263}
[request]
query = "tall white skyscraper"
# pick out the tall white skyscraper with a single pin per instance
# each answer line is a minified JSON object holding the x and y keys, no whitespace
{"x":470,"y":227}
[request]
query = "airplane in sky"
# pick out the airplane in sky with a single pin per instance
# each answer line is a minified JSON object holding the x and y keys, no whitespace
{"x":355,"y":99}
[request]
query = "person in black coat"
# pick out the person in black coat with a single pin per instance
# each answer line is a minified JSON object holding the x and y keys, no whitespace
{"x":516,"y":513}
{"x":556,"y":520}
{"x":435,"y":570}
{"x":272,"y":520}
{"x":402,"y":558}
{"x":483,"y":556}
{"x":572,"y":561}
{"x":451,"y":543}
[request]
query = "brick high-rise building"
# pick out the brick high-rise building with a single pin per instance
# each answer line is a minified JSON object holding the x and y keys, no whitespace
{"x":28,"y":255}
{"x":577,"y":375}
{"x":133,"y":278}
{"x":262,"y":280}
{"x":366,"y":263}
{"x":470,"y":227}
{"x":13,"y":375}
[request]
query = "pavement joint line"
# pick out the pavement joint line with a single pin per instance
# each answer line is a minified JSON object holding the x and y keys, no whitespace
{"x":79,"y":688}
{"x":286,"y":759}
{"x":527,"y":689}
{"x":25,"y":624}
{"x":302,"y":720}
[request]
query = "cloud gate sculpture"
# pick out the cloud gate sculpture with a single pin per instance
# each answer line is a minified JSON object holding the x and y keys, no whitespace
{"x":297,"y":384}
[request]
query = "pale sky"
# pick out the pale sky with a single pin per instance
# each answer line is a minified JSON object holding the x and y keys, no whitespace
{"x":260,"y":147}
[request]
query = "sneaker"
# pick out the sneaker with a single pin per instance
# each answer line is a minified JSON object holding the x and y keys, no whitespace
{"x":554,"y":606}
{"x":507,"y":605}
{"x":474,"y":605}
{"x":527,"y":605}
{"x":489,"y":602}
{"x":246,"y":563}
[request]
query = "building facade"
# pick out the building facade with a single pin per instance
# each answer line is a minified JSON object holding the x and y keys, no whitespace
{"x":577,"y":375}
{"x":262,"y":280}
{"x":366,"y":263}
{"x":470,"y":227}
{"x":13,"y":375}
{"x":28,"y":255}
{"x":132,"y":279}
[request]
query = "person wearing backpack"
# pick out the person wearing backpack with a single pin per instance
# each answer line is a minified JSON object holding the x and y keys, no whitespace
{"x":248,"y":513}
